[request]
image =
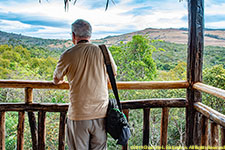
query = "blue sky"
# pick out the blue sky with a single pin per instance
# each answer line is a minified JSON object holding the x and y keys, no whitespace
{"x":50,"y":20}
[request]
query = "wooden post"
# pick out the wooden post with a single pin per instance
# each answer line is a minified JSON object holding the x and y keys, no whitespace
{"x":146,"y":124}
{"x":194,"y":68}
{"x":62,"y":131}
{"x":20,"y":131}
{"x":2,"y":130}
{"x":126,"y":113}
{"x":164,"y":127}
{"x":33,"y":130}
{"x":214,"y":135}
{"x":28,"y":95}
{"x":222,"y":136}
{"x":204,"y":131}
{"x":41,"y":130}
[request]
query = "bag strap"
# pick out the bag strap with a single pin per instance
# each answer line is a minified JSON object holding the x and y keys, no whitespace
{"x":111,"y":74}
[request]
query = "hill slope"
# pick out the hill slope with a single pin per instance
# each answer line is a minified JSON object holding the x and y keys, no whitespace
{"x":178,"y":36}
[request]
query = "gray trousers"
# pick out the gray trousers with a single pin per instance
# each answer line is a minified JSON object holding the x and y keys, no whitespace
{"x":86,"y":134}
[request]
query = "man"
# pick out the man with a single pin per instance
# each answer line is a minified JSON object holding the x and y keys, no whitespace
{"x":83,"y":65}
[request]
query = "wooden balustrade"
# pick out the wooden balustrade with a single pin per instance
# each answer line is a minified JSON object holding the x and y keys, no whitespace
{"x":217,"y":120}
{"x":38,"y":134}
{"x":37,"y":129}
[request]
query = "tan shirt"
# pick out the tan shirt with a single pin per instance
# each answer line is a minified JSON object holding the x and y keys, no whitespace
{"x":87,"y":76}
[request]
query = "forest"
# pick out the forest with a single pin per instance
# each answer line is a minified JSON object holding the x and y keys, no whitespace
{"x":141,"y":59}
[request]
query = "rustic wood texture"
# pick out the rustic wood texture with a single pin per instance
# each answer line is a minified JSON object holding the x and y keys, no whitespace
{"x":204,"y":131}
{"x":20,"y":130}
{"x":146,"y":125}
{"x":194,"y":67}
{"x":130,"y":104}
{"x":28,"y":95}
{"x":2,"y":130}
{"x":222,"y":136}
{"x":50,"y":107}
{"x":164,"y":127}
{"x":126,"y":113}
{"x":62,"y":131}
{"x":41,"y":130}
{"x":33,"y":130}
{"x":120,"y":85}
{"x":210,"y":113}
{"x":210,"y":90}
{"x":154,"y":103}
{"x":214,"y":135}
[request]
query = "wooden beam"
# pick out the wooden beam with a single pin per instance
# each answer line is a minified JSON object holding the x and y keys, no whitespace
{"x":120,"y":85}
{"x":28,"y":95}
{"x":210,"y":113}
{"x":20,"y":130}
{"x":164,"y":127}
{"x":194,"y":68}
{"x":62,"y":131}
{"x":222,"y":136}
{"x":129,"y":104}
{"x":214,"y":135}
{"x":2,"y":130}
{"x":33,"y":130}
{"x":204,"y":131}
{"x":154,"y":103}
{"x":41,"y":130}
{"x":146,"y":124}
{"x":210,"y":90}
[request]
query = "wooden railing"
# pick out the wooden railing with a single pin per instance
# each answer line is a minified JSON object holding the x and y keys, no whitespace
{"x":217,"y":119}
{"x":38,"y":131}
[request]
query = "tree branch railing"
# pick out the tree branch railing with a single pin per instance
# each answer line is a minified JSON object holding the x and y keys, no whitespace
{"x":217,"y":120}
{"x":38,"y":129}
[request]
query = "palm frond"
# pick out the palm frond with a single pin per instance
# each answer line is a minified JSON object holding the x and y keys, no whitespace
{"x":66,"y":3}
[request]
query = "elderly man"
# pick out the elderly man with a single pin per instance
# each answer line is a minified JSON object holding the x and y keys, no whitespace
{"x":83,"y":65}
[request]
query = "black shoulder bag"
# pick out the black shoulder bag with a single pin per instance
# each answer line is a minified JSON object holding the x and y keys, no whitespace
{"x":116,"y":122}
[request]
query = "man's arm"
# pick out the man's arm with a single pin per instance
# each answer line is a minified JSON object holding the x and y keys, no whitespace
{"x":60,"y":71}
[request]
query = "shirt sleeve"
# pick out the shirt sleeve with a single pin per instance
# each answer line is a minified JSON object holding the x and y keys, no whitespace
{"x":61,"y":68}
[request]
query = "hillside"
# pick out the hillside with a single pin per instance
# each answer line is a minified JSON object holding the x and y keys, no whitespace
{"x":177,"y":36}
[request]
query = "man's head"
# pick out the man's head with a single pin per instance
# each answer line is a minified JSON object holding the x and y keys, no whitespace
{"x":81,"y":30}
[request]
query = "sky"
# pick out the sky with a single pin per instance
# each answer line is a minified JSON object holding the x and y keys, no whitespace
{"x":49,"y":19}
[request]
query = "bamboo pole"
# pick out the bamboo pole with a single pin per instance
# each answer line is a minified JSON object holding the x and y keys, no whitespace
{"x":2,"y":130}
{"x":62,"y":131}
{"x":210,"y":113}
{"x":210,"y":90}
{"x":164,"y":127}
{"x":204,"y":131}
{"x":146,"y":125}
{"x":120,"y":85}
{"x":20,"y":131}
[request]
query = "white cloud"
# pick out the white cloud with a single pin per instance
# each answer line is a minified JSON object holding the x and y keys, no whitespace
{"x":119,"y":18}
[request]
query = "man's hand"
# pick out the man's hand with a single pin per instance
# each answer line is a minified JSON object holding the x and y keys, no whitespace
{"x":57,"y":81}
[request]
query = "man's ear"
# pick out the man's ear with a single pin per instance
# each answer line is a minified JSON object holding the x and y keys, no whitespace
{"x":73,"y":37}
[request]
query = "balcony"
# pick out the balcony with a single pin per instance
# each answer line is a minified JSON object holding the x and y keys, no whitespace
{"x":38,"y":125}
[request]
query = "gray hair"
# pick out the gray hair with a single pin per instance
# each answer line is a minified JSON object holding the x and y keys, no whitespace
{"x":82,"y":28}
